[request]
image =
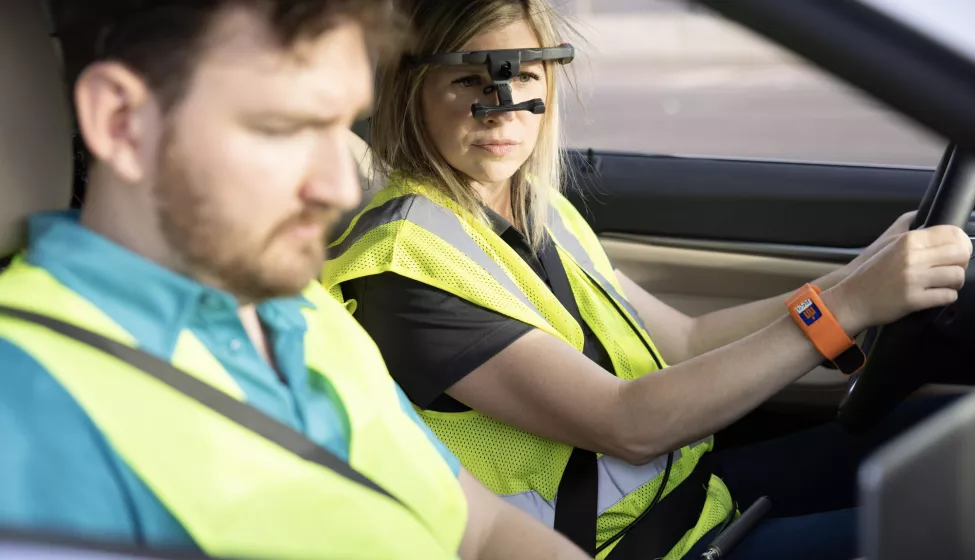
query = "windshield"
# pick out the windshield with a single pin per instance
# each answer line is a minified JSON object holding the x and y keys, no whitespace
{"x":948,"y":22}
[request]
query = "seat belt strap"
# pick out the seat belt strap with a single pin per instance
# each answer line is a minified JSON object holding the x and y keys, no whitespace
{"x":576,"y":503}
{"x":667,"y":523}
{"x":239,"y":412}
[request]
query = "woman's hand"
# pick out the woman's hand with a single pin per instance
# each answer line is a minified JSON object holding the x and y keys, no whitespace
{"x":898,"y":228}
{"x":912,"y":271}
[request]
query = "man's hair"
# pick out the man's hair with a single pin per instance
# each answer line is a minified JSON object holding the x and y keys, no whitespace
{"x":161,"y":40}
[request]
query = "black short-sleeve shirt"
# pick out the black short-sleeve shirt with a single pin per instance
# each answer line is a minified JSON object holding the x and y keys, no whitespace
{"x":430,"y":338}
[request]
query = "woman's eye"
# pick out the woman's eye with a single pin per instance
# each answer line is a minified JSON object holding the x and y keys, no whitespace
{"x":526,"y":77}
{"x":468,"y":81}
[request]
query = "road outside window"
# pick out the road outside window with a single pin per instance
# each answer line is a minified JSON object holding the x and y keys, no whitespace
{"x":664,"y":77}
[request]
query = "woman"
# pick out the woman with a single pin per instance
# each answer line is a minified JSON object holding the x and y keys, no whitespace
{"x":527,"y":353}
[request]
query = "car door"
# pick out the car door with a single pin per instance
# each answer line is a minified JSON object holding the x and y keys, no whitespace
{"x":718,"y":169}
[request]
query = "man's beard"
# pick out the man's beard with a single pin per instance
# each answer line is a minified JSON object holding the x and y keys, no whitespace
{"x":208,"y":246}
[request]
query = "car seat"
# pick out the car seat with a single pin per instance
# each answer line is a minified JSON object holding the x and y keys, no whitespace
{"x":35,"y":123}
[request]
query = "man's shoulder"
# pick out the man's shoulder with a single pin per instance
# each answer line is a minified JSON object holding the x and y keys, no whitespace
{"x":33,"y":400}
{"x":59,"y":474}
{"x":55,"y":471}
{"x":18,"y":366}
{"x":36,"y":405}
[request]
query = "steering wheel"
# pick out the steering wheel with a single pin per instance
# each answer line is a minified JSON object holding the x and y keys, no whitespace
{"x":933,"y":345}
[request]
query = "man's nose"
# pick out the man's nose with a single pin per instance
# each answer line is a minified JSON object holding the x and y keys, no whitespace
{"x":334,"y":172}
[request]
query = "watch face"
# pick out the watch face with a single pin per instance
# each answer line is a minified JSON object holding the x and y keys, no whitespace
{"x":808,"y":312}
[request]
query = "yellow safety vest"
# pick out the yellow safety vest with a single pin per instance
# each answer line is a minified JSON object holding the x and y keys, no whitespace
{"x":418,"y":232}
{"x":236,"y":493}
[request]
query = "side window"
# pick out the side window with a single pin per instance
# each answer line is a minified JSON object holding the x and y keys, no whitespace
{"x":668,"y":77}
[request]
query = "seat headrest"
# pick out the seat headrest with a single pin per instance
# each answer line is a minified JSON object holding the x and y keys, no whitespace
{"x":368,"y":175}
{"x":371,"y":180}
{"x":35,"y":124}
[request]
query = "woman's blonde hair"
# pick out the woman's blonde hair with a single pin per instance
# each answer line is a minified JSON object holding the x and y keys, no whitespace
{"x":399,"y":137}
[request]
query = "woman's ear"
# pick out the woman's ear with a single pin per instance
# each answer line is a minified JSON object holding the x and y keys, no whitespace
{"x":118,"y":117}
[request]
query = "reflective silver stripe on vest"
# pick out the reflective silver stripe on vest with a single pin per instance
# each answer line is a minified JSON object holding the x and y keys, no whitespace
{"x":439,"y":221}
{"x":617,"y":480}
{"x":532,"y":503}
{"x":570,"y":243}
{"x":391,"y":211}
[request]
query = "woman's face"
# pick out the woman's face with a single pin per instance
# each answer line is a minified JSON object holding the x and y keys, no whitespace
{"x":488,"y":151}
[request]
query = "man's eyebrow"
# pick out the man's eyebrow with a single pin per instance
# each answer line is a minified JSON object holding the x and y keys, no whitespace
{"x":295,"y":117}
{"x":307,"y":117}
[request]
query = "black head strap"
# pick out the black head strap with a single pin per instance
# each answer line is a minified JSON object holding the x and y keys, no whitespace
{"x":502,"y":66}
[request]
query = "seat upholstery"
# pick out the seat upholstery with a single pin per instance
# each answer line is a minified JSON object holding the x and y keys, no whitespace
{"x":35,"y":137}
{"x":369,"y":178}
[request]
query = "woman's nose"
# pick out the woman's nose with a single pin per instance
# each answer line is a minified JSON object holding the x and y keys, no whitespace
{"x":499,"y":117}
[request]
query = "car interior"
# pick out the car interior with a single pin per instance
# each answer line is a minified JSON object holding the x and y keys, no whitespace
{"x":704,"y":233}
{"x":35,"y":123}
{"x":707,"y":233}
{"x":701,"y":233}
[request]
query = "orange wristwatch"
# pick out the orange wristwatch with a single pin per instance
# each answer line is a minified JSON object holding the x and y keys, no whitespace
{"x":822,"y":328}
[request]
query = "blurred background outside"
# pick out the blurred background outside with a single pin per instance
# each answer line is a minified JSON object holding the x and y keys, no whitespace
{"x":667,"y":77}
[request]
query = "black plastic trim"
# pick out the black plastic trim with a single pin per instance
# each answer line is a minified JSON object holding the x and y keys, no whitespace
{"x":756,"y":201}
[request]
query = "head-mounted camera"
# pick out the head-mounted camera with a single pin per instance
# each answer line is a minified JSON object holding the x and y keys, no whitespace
{"x":502,"y":67}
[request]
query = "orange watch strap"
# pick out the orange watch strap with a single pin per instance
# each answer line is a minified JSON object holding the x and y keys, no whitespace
{"x":819,"y":324}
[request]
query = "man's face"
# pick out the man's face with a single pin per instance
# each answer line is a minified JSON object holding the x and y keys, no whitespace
{"x":255,"y":164}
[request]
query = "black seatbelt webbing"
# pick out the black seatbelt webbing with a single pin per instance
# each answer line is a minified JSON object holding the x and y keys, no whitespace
{"x":665,"y":525}
{"x":576,"y":503}
{"x":656,"y":531}
{"x":241,"y":413}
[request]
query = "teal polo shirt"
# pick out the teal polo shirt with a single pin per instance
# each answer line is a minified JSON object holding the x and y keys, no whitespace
{"x":58,"y":473}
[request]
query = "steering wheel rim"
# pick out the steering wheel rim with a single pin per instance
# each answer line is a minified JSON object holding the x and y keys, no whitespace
{"x":909,"y":343}
{"x":930,"y":193}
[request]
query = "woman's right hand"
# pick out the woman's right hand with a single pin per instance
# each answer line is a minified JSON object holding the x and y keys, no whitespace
{"x":919,"y":270}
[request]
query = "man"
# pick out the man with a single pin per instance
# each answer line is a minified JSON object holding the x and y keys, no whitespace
{"x":218,"y":134}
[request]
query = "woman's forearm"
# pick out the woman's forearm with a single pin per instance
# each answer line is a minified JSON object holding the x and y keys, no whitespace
{"x":683,"y":403}
{"x":719,"y":328}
